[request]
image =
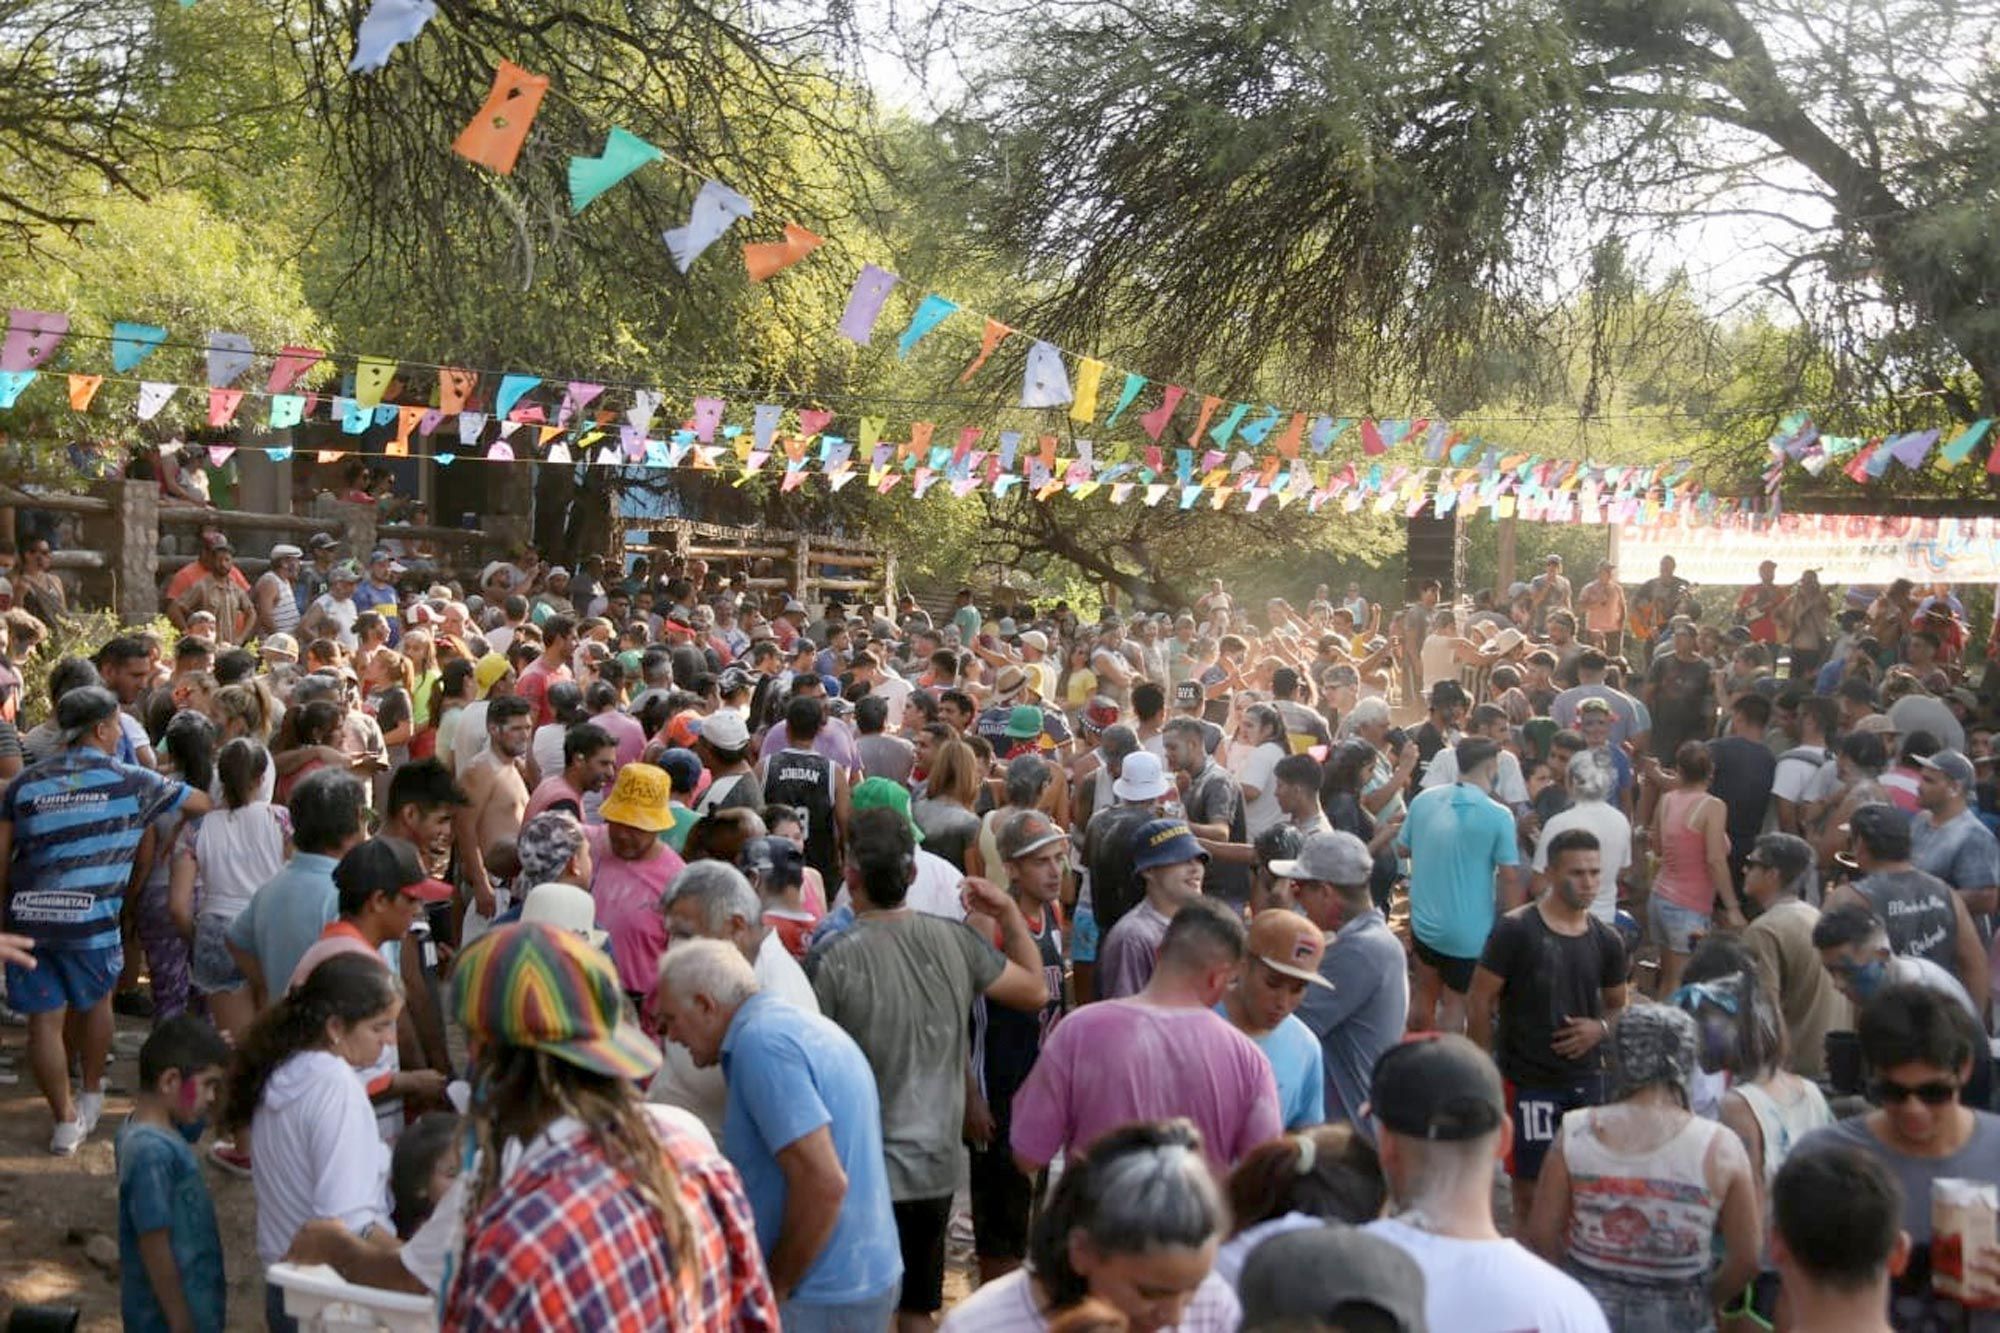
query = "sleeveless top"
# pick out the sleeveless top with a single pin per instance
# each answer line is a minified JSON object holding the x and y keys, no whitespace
{"x":1782,"y":1125}
{"x":285,"y":608}
{"x":803,"y":779}
{"x":1683,"y":879}
{"x":1645,"y":1218}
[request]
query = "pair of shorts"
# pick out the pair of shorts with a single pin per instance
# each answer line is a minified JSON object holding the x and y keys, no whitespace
{"x":213,"y":968}
{"x":64,"y":979}
{"x":921,"y":1225}
{"x":1675,"y":929}
{"x":1537,"y":1114}
{"x":1003,"y":1197}
{"x":1083,"y":935}
{"x":1457,"y":972}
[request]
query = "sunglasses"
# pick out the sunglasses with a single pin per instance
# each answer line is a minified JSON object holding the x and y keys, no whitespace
{"x":1884,"y":1092}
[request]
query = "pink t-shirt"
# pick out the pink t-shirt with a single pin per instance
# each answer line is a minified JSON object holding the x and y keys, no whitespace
{"x":554,"y":792}
{"x":534,"y":687}
{"x":624,"y":729}
{"x":628,"y":908}
{"x":1110,"y":1063}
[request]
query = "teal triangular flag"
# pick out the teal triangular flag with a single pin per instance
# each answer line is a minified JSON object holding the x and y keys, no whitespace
{"x":1133,"y":383}
{"x":1222,"y":434}
{"x":624,"y":153}
{"x":512,"y":389}
{"x":1968,"y":439}
{"x":133,"y":343}
{"x":11,"y":384}
{"x":931,"y":312}
{"x":1254,"y":433}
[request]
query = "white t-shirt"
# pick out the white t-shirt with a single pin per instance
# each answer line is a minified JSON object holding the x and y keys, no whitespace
{"x":1509,"y":787}
{"x":701,"y":1092}
{"x":547,"y":748}
{"x":934,"y":891}
{"x":1614,"y":845}
{"x":1796,"y":777}
{"x":343,"y":614}
{"x":468,"y":738}
{"x":1007,"y":1305}
{"x":1256,"y":768}
{"x":319,"y":1153}
{"x":1492,"y":1286}
{"x":239,"y":851}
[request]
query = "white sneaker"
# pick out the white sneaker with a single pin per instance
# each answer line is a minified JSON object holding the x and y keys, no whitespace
{"x":68,"y":1138}
{"x":89,"y":1109}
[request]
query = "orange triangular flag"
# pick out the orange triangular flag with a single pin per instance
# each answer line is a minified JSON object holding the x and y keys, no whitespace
{"x":1209,"y":403}
{"x":455,"y":389}
{"x":495,"y":136}
{"x":549,"y":433}
{"x":767,"y":259}
{"x":331,"y":455}
{"x":83,"y":388}
{"x":995,"y":333}
{"x":1288,"y":443}
{"x":406,"y":421}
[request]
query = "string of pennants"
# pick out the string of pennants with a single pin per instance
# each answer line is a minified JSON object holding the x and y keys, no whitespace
{"x":1454,"y":474}
{"x":1797,"y":442}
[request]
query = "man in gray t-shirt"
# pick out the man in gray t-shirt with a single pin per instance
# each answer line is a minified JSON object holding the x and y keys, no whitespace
{"x":1924,"y":917}
{"x":1365,"y":1012}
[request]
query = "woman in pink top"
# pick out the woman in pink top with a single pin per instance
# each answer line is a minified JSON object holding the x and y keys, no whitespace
{"x":1690,"y":833}
{"x":631,"y":871}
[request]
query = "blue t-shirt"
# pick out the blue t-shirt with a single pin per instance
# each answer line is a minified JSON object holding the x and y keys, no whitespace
{"x":160,"y":1188}
{"x":1456,"y":838}
{"x":285,"y":917}
{"x":1296,"y":1060}
{"x":78,"y":819}
{"x":790,"y":1072}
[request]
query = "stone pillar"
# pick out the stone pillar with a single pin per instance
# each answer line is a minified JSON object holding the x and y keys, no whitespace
{"x":358,"y":528}
{"x":129,"y":536}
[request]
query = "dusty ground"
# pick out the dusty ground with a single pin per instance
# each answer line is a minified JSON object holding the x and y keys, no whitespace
{"x":52,"y":1209}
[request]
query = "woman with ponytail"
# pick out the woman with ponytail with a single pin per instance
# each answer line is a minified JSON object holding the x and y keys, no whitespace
{"x":1136,"y":1225}
{"x":188,"y":749}
{"x":295,"y":1086}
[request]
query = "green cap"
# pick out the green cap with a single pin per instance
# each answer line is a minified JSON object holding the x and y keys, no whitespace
{"x":882,"y":794}
{"x":1024,"y":722}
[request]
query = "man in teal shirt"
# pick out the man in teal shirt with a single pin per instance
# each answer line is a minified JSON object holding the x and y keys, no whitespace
{"x":1463,"y":864}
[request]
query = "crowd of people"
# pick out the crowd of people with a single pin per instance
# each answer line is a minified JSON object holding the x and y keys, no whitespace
{"x":619,"y":948}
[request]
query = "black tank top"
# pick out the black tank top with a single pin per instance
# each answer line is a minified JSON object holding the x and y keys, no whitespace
{"x":803,"y":779}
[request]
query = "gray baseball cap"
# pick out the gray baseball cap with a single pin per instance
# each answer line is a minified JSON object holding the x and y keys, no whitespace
{"x":1329,"y":858}
{"x":1953,"y":765}
{"x":1306,"y":1278}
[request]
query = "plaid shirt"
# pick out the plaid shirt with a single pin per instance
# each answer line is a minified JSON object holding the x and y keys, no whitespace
{"x":568,"y":1244}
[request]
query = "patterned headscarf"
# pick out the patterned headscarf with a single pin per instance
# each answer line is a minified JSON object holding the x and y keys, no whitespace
{"x":1653,"y":1044}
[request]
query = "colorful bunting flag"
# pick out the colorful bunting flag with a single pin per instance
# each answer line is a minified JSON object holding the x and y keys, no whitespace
{"x":931,"y":311}
{"x":864,"y":303}
{"x":578,"y":396}
{"x":1156,"y":420}
{"x":624,"y":153}
{"x":291,"y":366}
{"x":287,"y":410}
{"x":995,"y":334}
{"x":1126,"y":396}
{"x":1045,"y":383}
{"x":133,"y":343}
{"x":153,"y":396}
{"x":12,"y":383}
{"x":495,"y":136}
{"x":82,"y":390}
{"x":1089,"y":375}
{"x":766,"y":259}
{"x":715,"y":207}
{"x":1964,"y":443}
{"x":389,"y":24}
{"x":32,"y":338}
{"x":222,"y":405}
{"x":371,"y":380}
{"x":512,"y":389}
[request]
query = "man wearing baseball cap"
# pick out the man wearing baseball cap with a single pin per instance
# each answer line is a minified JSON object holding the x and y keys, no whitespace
{"x":1135,"y":780}
{"x":377,"y":592}
{"x":1926,"y":919}
{"x":1167,"y":865}
{"x":1161,"y":1053}
{"x":1280,"y":961}
{"x":1007,"y":1042}
{"x":1365,"y":1004}
{"x":1947,"y":838}
{"x":1441,"y":1121}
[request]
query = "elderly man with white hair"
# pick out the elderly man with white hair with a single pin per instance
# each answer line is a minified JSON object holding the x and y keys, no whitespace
{"x":803,"y":1126}
{"x":711,"y":900}
{"x":1592,"y":780}
{"x":1383,"y":792}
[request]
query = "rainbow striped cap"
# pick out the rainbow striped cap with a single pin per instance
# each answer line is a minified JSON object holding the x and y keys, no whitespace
{"x":534,"y":986}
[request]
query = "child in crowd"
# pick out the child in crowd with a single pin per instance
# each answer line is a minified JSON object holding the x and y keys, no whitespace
{"x":295,"y":1087}
{"x":169,"y":1248}
{"x":421,"y":1168}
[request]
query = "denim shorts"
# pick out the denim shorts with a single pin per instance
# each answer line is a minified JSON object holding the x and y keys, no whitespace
{"x":64,"y":979}
{"x":1675,"y":928}
{"x":213,"y":968}
{"x":869,"y":1316}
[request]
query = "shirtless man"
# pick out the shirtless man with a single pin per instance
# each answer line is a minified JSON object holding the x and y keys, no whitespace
{"x":496,"y":794}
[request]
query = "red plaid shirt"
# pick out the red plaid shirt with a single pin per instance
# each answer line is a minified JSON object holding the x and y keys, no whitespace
{"x":568,"y":1244}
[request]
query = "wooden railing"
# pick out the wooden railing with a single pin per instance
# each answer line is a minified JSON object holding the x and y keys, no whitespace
{"x":815,"y":564}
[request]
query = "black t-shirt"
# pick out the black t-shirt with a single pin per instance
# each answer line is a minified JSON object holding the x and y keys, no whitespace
{"x":1006,"y":1042}
{"x":1345,"y":812}
{"x":1109,"y":845}
{"x":1683,"y":703}
{"x":1548,"y":979}
{"x":1745,"y":771}
{"x":1214,"y":798}
{"x":1429,"y":741}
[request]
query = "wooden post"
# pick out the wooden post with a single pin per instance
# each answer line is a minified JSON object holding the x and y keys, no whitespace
{"x":1509,"y":556}
{"x":889,"y":586}
{"x":802,"y":569}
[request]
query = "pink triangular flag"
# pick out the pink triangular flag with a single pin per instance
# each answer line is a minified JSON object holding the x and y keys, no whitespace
{"x":813,"y":420}
{"x":32,"y":337}
{"x":222,"y":404}
{"x":292,"y":363}
{"x":1155,"y":421}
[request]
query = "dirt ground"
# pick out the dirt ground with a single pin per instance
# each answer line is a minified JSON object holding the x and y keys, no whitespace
{"x":56,"y":1213}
